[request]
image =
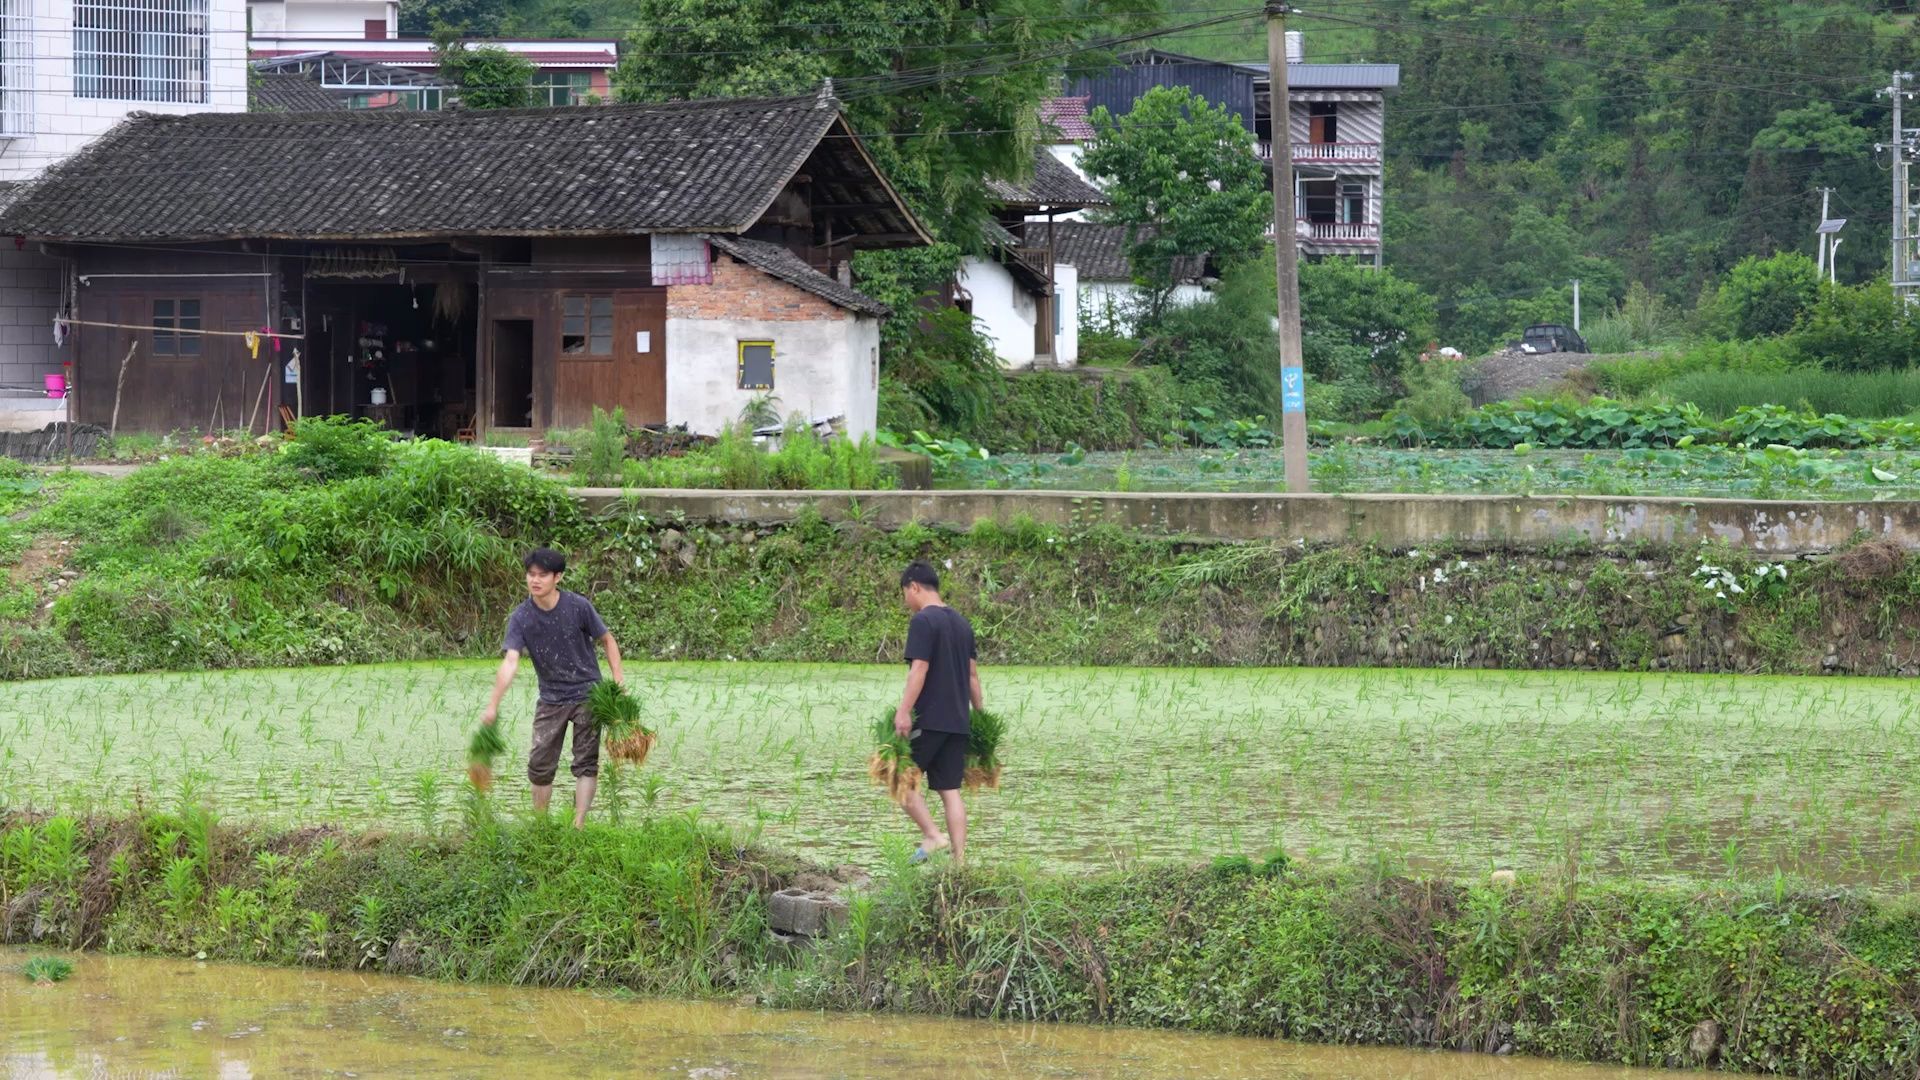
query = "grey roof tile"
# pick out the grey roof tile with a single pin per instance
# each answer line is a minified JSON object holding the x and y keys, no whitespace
{"x":1053,"y":184}
{"x":355,"y":174}
{"x":790,"y":268}
{"x":288,"y":92}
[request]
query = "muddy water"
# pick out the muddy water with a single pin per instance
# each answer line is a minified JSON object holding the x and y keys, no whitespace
{"x":125,"y":1017}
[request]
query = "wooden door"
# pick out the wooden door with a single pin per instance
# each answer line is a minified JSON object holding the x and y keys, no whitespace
{"x":631,"y":374}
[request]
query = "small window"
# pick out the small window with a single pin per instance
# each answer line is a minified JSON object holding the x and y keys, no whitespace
{"x":586,"y":326}
{"x":756,"y":365}
{"x":176,"y":325}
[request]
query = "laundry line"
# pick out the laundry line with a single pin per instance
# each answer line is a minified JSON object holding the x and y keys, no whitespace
{"x":269,"y":335}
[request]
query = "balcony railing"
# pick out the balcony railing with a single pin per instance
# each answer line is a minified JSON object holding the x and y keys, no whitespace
{"x":1348,"y":152}
{"x":1339,"y":232}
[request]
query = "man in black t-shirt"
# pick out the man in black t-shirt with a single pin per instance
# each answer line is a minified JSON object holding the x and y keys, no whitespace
{"x":935,"y":714}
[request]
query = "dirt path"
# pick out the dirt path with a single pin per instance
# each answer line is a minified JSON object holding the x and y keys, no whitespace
{"x":95,"y":470}
{"x":1507,"y":375}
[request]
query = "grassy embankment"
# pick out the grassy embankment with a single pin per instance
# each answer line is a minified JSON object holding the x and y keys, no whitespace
{"x":1754,"y":977}
{"x":357,"y":553}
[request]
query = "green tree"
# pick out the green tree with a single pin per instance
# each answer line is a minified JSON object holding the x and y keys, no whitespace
{"x":1766,"y":297}
{"x":944,"y":92}
{"x":487,"y":77}
{"x":1182,"y":175}
{"x":1858,"y":328}
{"x":1359,"y":327}
{"x":1223,"y":350}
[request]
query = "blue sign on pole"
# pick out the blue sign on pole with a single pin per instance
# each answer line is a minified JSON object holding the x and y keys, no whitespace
{"x":1293,"y":390}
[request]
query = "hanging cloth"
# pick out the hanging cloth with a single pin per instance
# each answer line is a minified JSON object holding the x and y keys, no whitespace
{"x":253,"y":344}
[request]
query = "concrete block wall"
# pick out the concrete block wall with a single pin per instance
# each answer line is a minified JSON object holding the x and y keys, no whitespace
{"x":29,"y":297}
{"x":60,"y":125}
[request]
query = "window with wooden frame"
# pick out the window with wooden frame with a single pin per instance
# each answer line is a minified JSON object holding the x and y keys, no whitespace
{"x":756,"y":365}
{"x":176,"y":325}
{"x":586,"y":326}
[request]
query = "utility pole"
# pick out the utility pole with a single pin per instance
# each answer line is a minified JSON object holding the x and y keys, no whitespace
{"x":1902,"y":240}
{"x":1820,"y":235}
{"x":1286,"y":254}
{"x":1576,"y":305}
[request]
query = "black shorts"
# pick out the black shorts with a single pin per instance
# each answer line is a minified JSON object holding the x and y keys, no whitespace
{"x":942,"y":755}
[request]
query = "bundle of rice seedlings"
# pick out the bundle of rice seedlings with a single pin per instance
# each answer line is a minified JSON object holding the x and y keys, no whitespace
{"x":486,"y":745}
{"x":983,"y":751}
{"x":891,"y":765}
{"x":616,"y":712}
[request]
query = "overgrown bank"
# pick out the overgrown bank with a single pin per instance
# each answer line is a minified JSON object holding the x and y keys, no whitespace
{"x":1749,"y":976}
{"x":264,"y":559}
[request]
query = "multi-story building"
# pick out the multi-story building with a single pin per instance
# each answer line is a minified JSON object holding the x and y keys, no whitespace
{"x":1335,"y":131}
{"x":69,"y":70}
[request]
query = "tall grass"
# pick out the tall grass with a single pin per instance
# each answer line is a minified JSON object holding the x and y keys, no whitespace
{"x":802,"y":462}
{"x":1869,"y":395}
{"x":1633,"y":376}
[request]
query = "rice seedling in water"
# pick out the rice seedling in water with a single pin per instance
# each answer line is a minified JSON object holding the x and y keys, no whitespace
{"x":46,"y":969}
{"x":616,"y":712}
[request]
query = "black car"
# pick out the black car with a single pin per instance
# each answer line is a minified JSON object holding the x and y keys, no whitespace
{"x":1553,"y":337}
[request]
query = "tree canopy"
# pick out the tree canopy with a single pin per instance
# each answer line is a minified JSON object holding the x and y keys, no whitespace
{"x":1183,"y":177}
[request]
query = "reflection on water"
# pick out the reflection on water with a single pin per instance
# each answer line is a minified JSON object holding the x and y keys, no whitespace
{"x":124,"y":1017}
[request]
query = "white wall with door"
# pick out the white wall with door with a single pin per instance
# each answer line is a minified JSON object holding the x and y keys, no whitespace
{"x":1003,"y":309}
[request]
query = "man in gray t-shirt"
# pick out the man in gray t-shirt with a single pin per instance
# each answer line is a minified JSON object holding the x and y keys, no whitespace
{"x":557,"y":630}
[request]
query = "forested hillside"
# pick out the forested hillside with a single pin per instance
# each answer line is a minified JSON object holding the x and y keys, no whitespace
{"x":1617,"y":141}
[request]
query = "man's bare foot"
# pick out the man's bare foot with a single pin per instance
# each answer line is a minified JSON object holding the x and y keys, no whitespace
{"x":927,"y":848}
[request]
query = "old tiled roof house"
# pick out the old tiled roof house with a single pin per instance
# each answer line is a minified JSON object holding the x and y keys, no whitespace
{"x":459,"y":270}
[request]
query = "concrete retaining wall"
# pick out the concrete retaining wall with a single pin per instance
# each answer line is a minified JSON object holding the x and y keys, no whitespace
{"x":1393,"y":521}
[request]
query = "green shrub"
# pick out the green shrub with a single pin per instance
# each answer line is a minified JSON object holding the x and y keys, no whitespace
{"x":1633,"y":376}
{"x":337,"y":447}
{"x":802,"y":462}
{"x":1106,"y":350}
{"x":1765,"y":297}
{"x":597,"y":456}
{"x":1434,"y":395}
{"x":1858,"y":328}
{"x":1096,"y":409}
{"x":1223,"y":350}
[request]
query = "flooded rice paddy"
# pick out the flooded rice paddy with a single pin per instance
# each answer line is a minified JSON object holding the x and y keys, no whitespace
{"x":127,"y":1017}
{"x":1656,"y":776}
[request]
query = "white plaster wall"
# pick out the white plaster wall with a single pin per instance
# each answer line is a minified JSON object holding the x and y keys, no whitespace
{"x":338,"y":19}
{"x":1066,"y":292}
{"x":267,"y":17}
{"x":1003,"y":310}
{"x":821,"y":368}
{"x":1094,"y":296}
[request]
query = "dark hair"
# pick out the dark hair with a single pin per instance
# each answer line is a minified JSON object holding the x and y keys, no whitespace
{"x":546,"y":559}
{"x":920,"y":572}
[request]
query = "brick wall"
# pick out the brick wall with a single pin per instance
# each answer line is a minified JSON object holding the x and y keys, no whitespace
{"x":741,"y":292}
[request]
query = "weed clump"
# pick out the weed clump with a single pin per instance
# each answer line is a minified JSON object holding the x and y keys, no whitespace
{"x":42,"y":970}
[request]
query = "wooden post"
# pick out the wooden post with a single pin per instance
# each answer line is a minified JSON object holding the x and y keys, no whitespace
{"x":119,"y":384}
{"x":1286,"y":254}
